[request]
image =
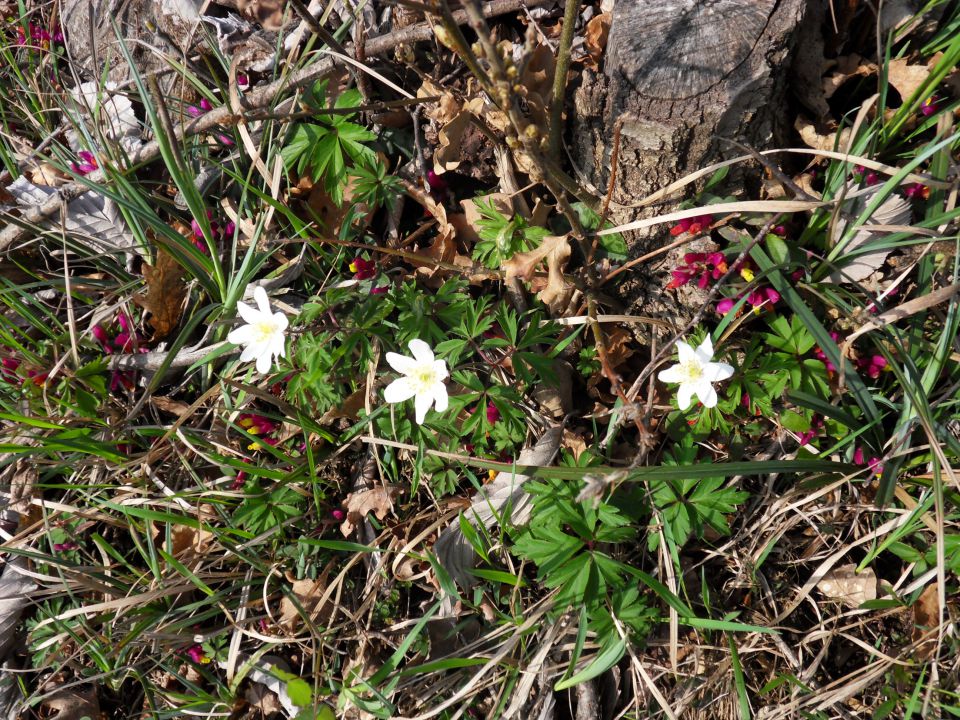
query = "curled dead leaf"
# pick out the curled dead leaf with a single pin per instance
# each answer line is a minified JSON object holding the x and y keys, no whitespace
{"x":378,"y":501}
{"x":165,"y":294}
{"x":595,"y":36}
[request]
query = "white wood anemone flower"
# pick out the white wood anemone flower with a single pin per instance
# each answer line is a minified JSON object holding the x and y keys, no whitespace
{"x":696,"y":372}
{"x":263,"y":335}
{"x":422,"y":380}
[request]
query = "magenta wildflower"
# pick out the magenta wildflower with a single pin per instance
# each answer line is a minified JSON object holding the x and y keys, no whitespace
{"x":930,"y":106}
{"x":363,"y":269}
{"x":725,"y":305}
{"x":816,"y":423}
{"x":196,"y":654}
{"x":872,"y":365}
{"x":382,"y":290}
{"x":917,"y":191}
{"x":87,"y":164}
{"x":493,"y":413}
{"x":874,"y":463}
{"x":65,"y":546}
{"x":763,"y":295}
{"x":868,"y":177}
{"x":338,"y":514}
{"x":8,"y":369}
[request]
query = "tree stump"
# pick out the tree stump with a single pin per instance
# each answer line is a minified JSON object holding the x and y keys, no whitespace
{"x":678,"y":75}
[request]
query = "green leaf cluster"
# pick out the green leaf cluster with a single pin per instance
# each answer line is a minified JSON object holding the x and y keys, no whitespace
{"x":331,"y":144}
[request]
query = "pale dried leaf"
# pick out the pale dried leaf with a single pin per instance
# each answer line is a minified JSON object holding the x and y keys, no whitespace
{"x":107,"y":109}
{"x":845,"y":584}
{"x":309,"y":593}
{"x":556,"y":295}
{"x":15,"y":590}
{"x":595,"y":36}
{"x":188,"y":542}
{"x":522,"y":265}
{"x":165,"y":404}
{"x":448,"y":155}
{"x":92,"y":219}
{"x":72,"y":704}
{"x":817,"y":139}
{"x":895,"y":210}
{"x":906,"y":78}
{"x":266,"y":13}
{"x":378,"y":501}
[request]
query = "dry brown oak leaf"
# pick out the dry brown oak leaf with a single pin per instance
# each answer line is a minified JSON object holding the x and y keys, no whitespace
{"x":165,"y":294}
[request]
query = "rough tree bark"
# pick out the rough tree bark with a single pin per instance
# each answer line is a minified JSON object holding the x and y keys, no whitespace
{"x":678,"y":75}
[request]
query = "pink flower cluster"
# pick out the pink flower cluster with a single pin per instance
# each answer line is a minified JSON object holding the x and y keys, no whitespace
{"x":38,"y":36}
{"x":868,"y":177}
{"x":757,"y":299}
{"x":692,"y":225}
{"x":260,"y":426}
{"x":702,"y":266}
{"x":120,"y":337}
{"x":822,"y":356}
{"x":872,"y":366}
{"x":216,"y":230}
{"x":10,"y":371}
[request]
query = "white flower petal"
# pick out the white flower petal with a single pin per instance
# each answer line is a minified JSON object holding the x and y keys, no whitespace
{"x":684,"y":395}
{"x":264,"y":362}
{"x":440,"y":394}
{"x":705,"y":351}
{"x":278,"y":346}
{"x":399,"y":390}
{"x":422,"y":403}
{"x":421,"y":351}
{"x":242,"y":335}
{"x":251,"y":351}
{"x":250,"y":315}
{"x":671,"y":374}
{"x":440,"y":369}
{"x":715,"y":372}
{"x":401,"y":363}
{"x":280,"y":322}
{"x":263,"y":302}
{"x":706,"y":393}
{"x":686,"y":353}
